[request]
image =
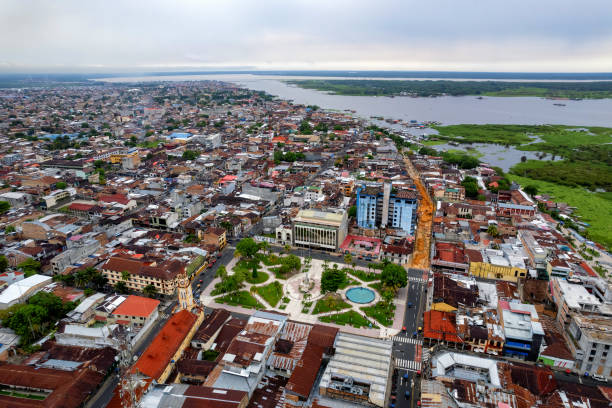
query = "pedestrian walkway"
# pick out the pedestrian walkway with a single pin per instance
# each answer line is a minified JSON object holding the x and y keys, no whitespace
{"x":415,"y":279}
{"x":407,"y":364}
{"x":404,"y":339}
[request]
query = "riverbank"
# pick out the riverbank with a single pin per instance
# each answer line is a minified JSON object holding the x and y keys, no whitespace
{"x":428,"y":88}
{"x":592,"y":208}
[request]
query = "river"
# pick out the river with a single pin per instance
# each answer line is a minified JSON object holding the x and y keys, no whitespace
{"x":445,"y":109}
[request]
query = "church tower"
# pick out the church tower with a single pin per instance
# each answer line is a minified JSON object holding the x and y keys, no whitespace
{"x":184,"y":292}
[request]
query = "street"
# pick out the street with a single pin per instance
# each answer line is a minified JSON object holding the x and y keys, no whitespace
{"x":407,"y":347}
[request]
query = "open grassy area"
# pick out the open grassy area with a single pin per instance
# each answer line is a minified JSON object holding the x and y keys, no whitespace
{"x":363,"y":275}
{"x":271,"y":293}
{"x":150,"y":144}
{"x":381,"y":312}
{"x":242,"y":298}
{"x":246,"y":265}
{"x":330,"y":303}
{"x":268,"y":260}
{"x":352,"y":318}
{"x":592,"y":175}
{"x":371,"y":87}
{"x":261,"y":277}
{"x":592,"y":208}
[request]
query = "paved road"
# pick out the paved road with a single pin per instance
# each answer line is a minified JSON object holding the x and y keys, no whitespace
{"x":405,"y":344}
{"x":105,"y":393}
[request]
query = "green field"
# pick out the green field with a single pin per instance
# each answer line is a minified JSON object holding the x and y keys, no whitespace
{"x":261,"y":277}
{"x":242,"y":298}
{"x":593,"y":208}
{"x":592,"y":175}
{"x":557,"y":139}
{"x":427,"y":88}
{"x":352,"y":318}
{"x":271,"y":293}
{"x":330,"y":303}
{"x":381,"y":312}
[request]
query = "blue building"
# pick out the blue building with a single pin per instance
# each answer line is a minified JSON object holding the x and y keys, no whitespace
{"x":383,"y":206}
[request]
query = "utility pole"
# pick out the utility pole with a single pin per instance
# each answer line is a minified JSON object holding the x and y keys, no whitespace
{"x":128,"y":379}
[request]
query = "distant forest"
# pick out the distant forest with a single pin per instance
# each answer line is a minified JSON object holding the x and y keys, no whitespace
{"x":426,"y":88}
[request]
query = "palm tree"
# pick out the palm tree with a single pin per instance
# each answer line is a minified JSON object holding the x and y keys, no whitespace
{"x":265,"y":246}
{"x":149,"y":291}
{"x":125,"y":275}
{"x":348,"y":259}
{"x":221,"y":272}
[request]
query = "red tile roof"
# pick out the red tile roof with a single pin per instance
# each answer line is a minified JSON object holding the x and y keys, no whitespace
{"x":440,"y":326}
{"x":305,"y":373}
{"x":114,"y":198}
{"x":81,"y":207}
{"x":159,"y":353}
{"x":136,"y":306}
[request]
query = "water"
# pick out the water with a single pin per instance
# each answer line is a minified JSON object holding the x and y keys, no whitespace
{"x":446,"y":109}
{"x":360,"y":295}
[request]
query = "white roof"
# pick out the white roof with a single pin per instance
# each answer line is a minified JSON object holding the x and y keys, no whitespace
{"x":442,"y":362}
{"x":23,"y":287}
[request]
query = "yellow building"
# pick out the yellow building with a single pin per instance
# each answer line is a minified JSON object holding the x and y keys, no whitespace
{"x":506,"y":264}
{"x":115,"y":158}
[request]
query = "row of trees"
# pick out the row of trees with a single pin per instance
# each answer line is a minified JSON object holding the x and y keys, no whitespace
{"x":35,"y":318}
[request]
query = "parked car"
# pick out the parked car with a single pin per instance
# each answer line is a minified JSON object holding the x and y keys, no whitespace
{"x":599,"y":378}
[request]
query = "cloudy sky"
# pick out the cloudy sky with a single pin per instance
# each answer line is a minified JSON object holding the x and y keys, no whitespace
{"x":154,"y":35}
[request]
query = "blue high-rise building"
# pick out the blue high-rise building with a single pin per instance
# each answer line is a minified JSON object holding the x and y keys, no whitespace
{"x":382,"y":206}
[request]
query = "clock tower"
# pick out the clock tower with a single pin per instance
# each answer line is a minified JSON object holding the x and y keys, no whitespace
{"x":184,"y":292}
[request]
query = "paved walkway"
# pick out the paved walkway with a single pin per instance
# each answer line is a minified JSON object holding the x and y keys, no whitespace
{"x":293,"y":290}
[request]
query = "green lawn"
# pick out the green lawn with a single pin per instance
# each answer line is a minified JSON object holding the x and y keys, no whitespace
{"x":242,"y":298}
{"x":592,"y":208}
{"x":382,"y":313}
{"x":246,"y":265}
{"x":364,"y":276}
{"x":271,"y":293}
{"x":352,"y":318}
{"x":432,"y":142}
{"x":268,"y":260}
{"x":330,"y":303}
{"x":592,"y":175}
{"x":261,"y":277}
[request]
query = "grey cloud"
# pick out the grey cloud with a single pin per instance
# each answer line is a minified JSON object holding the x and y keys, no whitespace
{"x":556,"y":35}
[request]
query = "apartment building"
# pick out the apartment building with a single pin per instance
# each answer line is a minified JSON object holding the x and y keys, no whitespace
{"x":386,"y":207}
{"x":139,"y":274}
{"x":324,"y":230}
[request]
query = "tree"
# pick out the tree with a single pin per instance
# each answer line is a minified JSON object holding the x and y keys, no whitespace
{"x":221,"y":272}
{"x":3,"y":263}
{"x":332,"y":279}
{"x":394,"y":276}
{"x":4,"y":206}
{"x":287,"y":248}
{"x":352,"y":212}
{"x":523,"y":159}
{"x":227,"y":225}
{"x":125,"y":275}
{"x":29,"y":267}
{"x":531,"y":189}
{"x":149,"y":291}
{"x":348,"y":259}
{"x":305,"y":128}
{"x":471,"y":187}
{"x":121,"y":287}
{"x":10,"y":229}
{"x":492,"y":231}
{"x":247,"y":247}
{"x":190,"y":155}
{"x":264,"y":246}
{"x":61,"y":185}
{"x":291,"y":263}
